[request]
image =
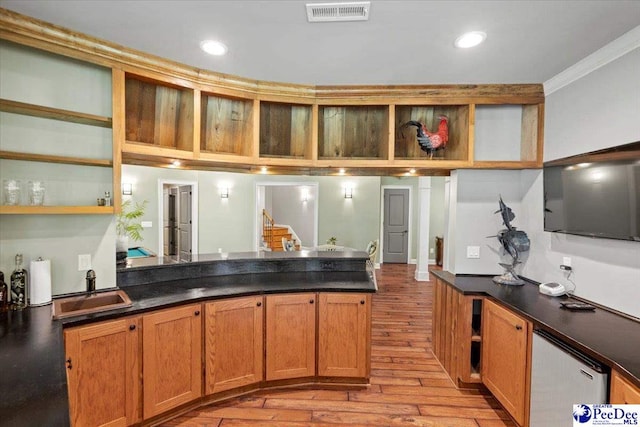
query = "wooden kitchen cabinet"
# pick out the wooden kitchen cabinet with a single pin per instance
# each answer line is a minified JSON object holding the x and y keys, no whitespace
{"x":172,"y":358}
{"x":622,"y":391}
{"x":506,"y":359}
{"x":103,"y":373}
{"x":158,"y":114}
{"x":344,"y":334}
{"x":233,"y":343}
{"x":457,"y":338}
{"x":291,"y":336}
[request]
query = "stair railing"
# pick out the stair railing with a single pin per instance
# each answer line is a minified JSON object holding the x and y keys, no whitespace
{"x":267,"y":228}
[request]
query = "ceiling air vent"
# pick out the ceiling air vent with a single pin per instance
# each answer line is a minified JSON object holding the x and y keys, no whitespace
{"x":334,"y":12}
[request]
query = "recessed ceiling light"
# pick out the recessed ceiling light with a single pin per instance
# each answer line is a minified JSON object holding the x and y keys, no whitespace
{"x":471,"y":39}
{"x":213,"y":47}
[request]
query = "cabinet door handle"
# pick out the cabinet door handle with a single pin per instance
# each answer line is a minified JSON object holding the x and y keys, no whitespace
{"x":132,"y":327}
{"x":518,"y":327}
{"x":69,"y":366}
{"x":259,"y":304}
{"x":362,"y":302}
{"x":197,"y":313}
{"x":310,"y":301}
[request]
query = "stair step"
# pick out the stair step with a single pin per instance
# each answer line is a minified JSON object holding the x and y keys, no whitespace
{"x":280,"y":232}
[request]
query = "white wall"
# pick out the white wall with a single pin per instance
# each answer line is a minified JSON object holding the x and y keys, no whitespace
{"x":33,"y":76}
{"x":289,"y":208}
{"x":436,"y":214}
{"x":597,"y":111}
{"x":229,"y":223}
{"x":355,"y":222}
{"x":476,"y":221}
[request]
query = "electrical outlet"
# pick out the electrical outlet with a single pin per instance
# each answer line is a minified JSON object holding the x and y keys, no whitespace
{"x":473,"y":252}
{"x":431,"y":251}
{"x":566,"y":261}
{"x":84,"y":262}
{"x":146,"y":224}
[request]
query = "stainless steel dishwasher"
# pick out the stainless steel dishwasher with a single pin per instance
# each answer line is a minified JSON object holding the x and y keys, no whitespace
{"x":561,"y":376}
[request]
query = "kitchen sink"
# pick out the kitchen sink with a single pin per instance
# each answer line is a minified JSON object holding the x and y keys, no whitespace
{"x":90,"y":303}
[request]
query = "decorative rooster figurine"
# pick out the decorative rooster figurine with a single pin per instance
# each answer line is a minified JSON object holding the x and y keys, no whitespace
{"x":431,"y":141}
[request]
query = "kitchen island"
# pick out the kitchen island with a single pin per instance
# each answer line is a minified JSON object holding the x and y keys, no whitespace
{"x":32,"y":349}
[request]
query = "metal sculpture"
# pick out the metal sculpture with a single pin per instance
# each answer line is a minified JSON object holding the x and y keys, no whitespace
{"x":514,"y":242}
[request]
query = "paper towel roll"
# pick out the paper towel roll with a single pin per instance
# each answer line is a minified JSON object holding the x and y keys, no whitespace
{"x":40,"y":283}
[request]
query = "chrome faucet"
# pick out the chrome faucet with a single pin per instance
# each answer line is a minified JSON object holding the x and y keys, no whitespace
{"x":91,"y":281}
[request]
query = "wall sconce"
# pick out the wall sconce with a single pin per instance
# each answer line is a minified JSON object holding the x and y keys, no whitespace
{"x":224,"y":193}
{"x":348,"y":192}
{"x":127,"y":188}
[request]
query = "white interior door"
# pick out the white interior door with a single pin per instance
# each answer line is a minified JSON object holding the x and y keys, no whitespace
{"x":184,"y":222}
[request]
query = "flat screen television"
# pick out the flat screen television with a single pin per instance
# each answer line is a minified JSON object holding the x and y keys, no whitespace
{"x":595,"y":194}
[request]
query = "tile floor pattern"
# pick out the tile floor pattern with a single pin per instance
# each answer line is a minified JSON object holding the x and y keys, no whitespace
{"x":408,"y":385}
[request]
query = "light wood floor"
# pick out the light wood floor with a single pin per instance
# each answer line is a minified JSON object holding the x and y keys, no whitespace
{"x":408,"y":385}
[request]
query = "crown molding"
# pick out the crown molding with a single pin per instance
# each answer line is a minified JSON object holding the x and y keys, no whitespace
{"x":601,"y":57}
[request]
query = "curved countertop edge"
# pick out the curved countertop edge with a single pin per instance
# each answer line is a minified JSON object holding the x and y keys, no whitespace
{"x":173,"y":293}
{"x":589,"y":332}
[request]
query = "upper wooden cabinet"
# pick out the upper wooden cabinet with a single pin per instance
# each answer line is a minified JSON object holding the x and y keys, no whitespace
{"x":103,"y":373}
{"x":353,"y":132}
{"x":249,"y":132}
{"x":506,"y":359}
{"x":285,"y":130}
{"x":167,"y":111}
{"x":406,"y":142}
{"x":226,"y":125}
{"x":158,"y":114}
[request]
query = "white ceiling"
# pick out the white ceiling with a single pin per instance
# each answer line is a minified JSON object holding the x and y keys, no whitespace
{"x":404,"y":42}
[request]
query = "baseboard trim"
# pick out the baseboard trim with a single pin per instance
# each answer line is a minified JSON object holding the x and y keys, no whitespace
{"x":422,"y":276}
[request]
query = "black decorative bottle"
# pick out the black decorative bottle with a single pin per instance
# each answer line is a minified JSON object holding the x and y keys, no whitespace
{"x":5,"y":299}
{"x":19,"y":285}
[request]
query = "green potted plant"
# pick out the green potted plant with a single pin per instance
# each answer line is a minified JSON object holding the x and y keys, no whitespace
{"x":128,"y":227}
{"x":332,"y":241}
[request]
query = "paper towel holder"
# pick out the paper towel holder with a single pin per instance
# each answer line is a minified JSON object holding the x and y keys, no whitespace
{"x":40,"y":283}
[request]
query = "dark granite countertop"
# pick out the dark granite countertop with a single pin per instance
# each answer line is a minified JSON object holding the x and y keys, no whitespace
{"x":33,"y":385}
{"x":177,"y":292}
{"x":610,"y":338}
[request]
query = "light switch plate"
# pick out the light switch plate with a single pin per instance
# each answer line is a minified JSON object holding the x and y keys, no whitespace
{"x":84,"y":262}
{"x":473,"y":251}
{"x":146,"y":224}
